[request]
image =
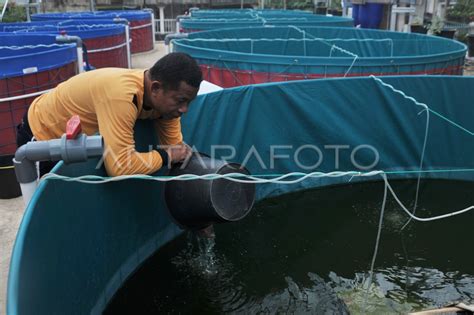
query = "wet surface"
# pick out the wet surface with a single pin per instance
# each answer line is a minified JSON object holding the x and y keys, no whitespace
{"x":310,"y":252}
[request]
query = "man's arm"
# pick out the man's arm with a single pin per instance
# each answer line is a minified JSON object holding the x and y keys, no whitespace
{"x":116,"y":125}
{"x":169,"y":131}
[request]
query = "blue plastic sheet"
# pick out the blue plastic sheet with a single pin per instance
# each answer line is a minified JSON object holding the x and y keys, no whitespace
{"x":130,"y":15}
{"x":36,"y":51}
{"x":85,"y":29}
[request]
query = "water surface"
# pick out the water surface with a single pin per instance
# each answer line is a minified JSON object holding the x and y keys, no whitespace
{"x":310,"y":252}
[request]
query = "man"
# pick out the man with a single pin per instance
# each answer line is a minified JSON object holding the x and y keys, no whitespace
{"x":110,"y":101}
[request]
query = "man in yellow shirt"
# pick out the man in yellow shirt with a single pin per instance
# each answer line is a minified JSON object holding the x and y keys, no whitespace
{"x":110,"y":101}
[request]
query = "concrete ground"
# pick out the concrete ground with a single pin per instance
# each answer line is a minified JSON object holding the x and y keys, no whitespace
{"x":469,"y":66}
{"x":11,"y":210}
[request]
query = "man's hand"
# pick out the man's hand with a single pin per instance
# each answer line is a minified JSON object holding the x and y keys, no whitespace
{"x":179,"y":152}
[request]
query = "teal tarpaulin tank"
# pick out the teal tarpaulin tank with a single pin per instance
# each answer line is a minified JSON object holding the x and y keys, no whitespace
{"x":207,"y":24}
{"x":78,"y":242}
{"x":242,"y":13}
{"x":232,"y":57}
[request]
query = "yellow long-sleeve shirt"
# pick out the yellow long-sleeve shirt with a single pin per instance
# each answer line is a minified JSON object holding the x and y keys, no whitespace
{"x":104,"y":100}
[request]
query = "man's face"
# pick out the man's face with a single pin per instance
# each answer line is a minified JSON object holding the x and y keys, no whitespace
{"x":171,"y":103}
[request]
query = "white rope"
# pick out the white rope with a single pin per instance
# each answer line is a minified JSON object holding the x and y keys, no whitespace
{"x":20,"y":97}
{"x":313,"y":39}
{"x":106,"y":49}
{"x":423,"y":105}
{"x":377,"y":242}
{"x":352,"y":65}
{"x":140,"y":26}
{"x":36,"y":46}
{"x":439,"y":217}
{"x":422,"y":157}
{"x":236,"y":177}
{"x":325,"y":42}
{"x":58,"y":27}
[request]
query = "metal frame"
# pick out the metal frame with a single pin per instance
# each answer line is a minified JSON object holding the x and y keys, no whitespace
{"x":3,"y":10}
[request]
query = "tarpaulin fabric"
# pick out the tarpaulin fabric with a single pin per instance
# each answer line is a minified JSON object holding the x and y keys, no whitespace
{"x":350,"y":112}
{"x":197,"y":24}
{"x":29,"y":65}
{"x":130,"y":15}
{"x":141,"y":24}
{"x":83,"y":29}
{"x":104,"y":41}
{"x":230,"y":56}
{"x":33,"y":51}
{"x":81,"y":242}
{"x":241,"y":13}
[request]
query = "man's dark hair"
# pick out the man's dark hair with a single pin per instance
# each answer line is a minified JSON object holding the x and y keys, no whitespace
{"x":174,"y":68}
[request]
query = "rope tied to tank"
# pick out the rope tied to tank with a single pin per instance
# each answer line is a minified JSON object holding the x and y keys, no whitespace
{"x":263,"y":179}
{"x":58,"y":27}
{"x":37,"y":46}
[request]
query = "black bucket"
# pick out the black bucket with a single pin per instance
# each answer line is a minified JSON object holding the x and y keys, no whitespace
{"x":9,"y":187}
{"x":470,"y":42}
{"x":196,"y":204}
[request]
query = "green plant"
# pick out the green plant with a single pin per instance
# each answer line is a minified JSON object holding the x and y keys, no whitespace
{"x":300,"y":5}
{"x":462,"y":36}
{"x":14,"y":13}
{"x":290,"y":4}
{"x":462,"y":11}
{"x":336,"y":5}
{"x":436,"y":25}
{"x":416,"y":21}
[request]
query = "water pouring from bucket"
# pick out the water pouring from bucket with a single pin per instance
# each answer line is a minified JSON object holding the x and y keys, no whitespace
{"x":198,"y":204}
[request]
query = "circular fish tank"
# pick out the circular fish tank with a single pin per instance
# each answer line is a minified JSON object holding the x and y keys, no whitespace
{"x":206,"y":24}
{"x":29,"y":66}
{"x":249,"y":13}
{"x":327,"y":233}
{"x":233,"y":57}
{"x":105,"y":41}
{"x":141,"y":24}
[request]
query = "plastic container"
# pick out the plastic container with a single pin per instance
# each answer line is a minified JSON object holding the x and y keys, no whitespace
{"x":355,"y":14}
{"x":370,"y":15}
{"x":471,"y":45}
{"x":9,"y":187}
{"x":197,"y":204}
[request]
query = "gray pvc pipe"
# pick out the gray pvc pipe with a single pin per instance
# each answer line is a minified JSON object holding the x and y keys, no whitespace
{"x":127,"y":38}
{"x":170,"y":37}
{"x":69,"y":39}
{"x":78,"y":41}
{"x":70,"y":151}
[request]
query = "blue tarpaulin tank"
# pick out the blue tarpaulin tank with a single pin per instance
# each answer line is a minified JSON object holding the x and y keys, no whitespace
{"x":29,"y":66}
{"x":231,"y":57}
{"x":105,"y":40}
{"x":141,"y":24}
{"x":78,"y":243}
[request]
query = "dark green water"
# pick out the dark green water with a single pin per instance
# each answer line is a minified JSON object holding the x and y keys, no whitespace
{"x":310,"y":252}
